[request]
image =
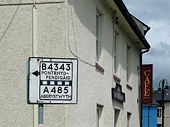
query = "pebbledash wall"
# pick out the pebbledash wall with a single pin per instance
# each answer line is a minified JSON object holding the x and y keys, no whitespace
{"x":67,"y":29}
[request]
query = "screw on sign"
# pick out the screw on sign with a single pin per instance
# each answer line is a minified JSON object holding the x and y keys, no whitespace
{"x":57,"y":80}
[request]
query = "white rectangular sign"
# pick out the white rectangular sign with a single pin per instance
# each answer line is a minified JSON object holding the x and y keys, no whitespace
{"x":52,"y":80}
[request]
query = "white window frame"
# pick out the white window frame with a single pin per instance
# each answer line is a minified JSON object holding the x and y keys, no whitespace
{"x":99,"y":110}
{"x":97,"y":34}
{"x":127,"y":62}
{"x":159,"y":112}
{"x":128,"y":119}
{"x":115,"y":51}
{"x":116,"y":117}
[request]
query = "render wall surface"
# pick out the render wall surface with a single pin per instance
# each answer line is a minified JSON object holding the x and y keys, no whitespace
{"x":16,"y":45}
{"x":167,"y":114}
{"x":64,"y":29}
{"x":52,"y":34}
{"x":15,"y":48}
{"x":95,"y":86}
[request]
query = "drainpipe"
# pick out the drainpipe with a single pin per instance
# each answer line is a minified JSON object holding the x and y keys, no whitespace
{"x":141,"y":53}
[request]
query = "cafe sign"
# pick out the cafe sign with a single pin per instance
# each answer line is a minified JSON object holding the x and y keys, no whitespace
{"x":146,"y":83}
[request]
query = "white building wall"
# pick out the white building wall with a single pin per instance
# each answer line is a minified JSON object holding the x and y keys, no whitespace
{"x":62,"y":28}
{"x":167,"y":114}
{"x":94,"y":86}
{"x":15,"y":48}
{"x":132,"y":95}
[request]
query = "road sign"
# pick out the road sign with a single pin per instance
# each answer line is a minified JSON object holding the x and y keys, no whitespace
{"x":52,"y":80}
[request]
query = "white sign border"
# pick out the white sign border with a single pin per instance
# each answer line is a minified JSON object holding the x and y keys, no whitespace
{"x":34,"y":98}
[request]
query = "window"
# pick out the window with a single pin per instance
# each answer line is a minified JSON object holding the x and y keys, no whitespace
{"x":115,"y":51}
{"x":116,"y":118}
{"x":159,"y":112}
{"x":128,"y":119}
{"x":99,"y":115}
{"x":127,"y":63}
{"x":98,"y":34}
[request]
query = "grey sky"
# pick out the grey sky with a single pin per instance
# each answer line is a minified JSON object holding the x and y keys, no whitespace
{"x":156,"y":14}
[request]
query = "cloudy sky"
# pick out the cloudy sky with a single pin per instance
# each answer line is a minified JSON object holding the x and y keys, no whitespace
{"x":156,"y":14}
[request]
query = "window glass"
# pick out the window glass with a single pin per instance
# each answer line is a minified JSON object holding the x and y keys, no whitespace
{"x":99,"y":114}
{"x":99,"y":23}
{"x":127,"y":63}
{"x":97,"y":34}
{"x":159,"y":113}
{"x":115,"y":51}
{"x":128,"y":119}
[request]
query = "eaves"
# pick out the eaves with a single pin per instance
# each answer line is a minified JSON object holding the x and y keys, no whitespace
{"x":131,"y":22}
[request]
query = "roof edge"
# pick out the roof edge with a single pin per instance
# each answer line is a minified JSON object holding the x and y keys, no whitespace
{"x":148,"y":28}
{"x":131,"y":22}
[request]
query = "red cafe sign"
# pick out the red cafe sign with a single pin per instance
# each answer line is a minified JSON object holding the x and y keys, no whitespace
{"x":146,"y":84}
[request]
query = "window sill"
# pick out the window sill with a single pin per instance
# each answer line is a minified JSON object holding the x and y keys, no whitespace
{"x":100,"y":68}
{"x":128,"y":86}
{"x":116,"y":78}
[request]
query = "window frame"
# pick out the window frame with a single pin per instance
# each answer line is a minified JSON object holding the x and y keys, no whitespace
{"x":98,"y":18}
{"x":128,"y":119}
{"x":127,"y":63}
{"x":99,"y":32}
{"x":115,"y":50}
{"x":99,"y":110}
{"x":159,"y":112}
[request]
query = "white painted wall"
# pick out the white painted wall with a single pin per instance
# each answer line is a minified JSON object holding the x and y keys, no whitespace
{"x":16,"y":47}
{"x":167,"y":114}
{"x":61,"y":28}
{"x":95,"y":87}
